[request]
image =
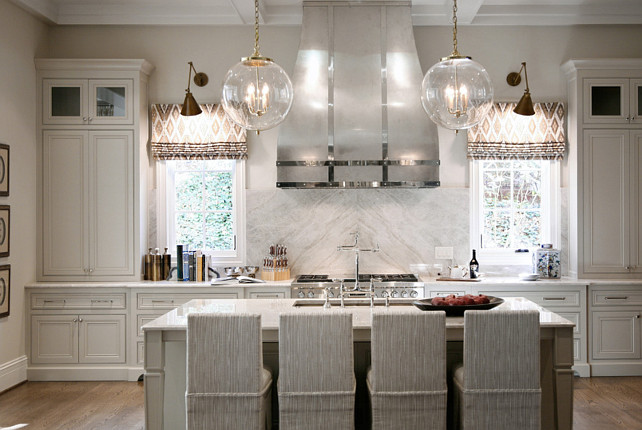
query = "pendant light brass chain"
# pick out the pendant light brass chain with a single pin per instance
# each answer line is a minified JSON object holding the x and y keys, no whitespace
{"x":455,"y":52}
{"x":256,"y":29}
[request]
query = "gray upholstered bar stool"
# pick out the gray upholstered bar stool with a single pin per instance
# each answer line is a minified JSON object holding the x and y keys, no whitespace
{"x":498,"y":387}
{"x":316,"y":371}
{"x":230,"y":393}
{"x":407,"y":380}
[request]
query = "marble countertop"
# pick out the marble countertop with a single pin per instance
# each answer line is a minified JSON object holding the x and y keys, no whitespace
{"x":270,"y":309}
{"x":157,"y":284}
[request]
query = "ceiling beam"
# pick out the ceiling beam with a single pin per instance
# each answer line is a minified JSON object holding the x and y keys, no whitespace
{"x":245,"y":10}
{"x":43,"y":9}
{"x":467,"y":10}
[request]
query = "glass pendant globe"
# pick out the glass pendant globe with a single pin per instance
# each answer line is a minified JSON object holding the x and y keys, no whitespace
{"x":456,"y":93}
{"x":257,"y":93}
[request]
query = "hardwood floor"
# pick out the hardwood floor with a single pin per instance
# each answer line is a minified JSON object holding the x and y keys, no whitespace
{"x":599,"y":404}
{"x":74,"y":405}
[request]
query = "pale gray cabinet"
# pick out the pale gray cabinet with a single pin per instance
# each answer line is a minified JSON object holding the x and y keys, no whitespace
{"x":615,"y":330}
{"x":62,"y":339}
{"x":88,"y":203}
{"x":612,"y":204}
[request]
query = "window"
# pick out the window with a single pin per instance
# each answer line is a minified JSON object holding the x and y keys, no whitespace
{"x":514,"y":206}
{"x":204,"y":207}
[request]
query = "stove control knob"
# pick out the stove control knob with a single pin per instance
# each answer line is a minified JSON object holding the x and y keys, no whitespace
{"x":414,"y":294}
{"x":394,"y":294}
{"x":384,"y":294}
{"x":310,"y":294}
{"x":404,"y":293}
{"x":301,"y":294}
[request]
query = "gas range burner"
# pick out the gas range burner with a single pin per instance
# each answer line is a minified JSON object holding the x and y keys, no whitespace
{"x":403,"y":277}
{"x":313,"y":278}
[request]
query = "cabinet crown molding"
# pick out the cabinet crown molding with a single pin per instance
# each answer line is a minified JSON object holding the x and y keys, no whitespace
{"x":99,"y":64}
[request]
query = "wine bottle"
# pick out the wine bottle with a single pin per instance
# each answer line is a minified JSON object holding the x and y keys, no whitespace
{"x":474,"y":266}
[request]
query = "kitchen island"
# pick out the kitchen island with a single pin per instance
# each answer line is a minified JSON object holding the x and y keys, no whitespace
{"x":165,"y":352}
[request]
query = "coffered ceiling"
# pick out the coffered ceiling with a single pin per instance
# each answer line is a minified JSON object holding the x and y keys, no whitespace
{"x":288,"y":12}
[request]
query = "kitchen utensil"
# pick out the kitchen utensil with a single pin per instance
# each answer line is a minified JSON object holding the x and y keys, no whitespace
{"x":233,"y":272}
{"x":251,"y":271}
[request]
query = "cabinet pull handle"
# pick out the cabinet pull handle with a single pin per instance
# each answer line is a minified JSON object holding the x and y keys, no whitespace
{"x":101,"y":301}
{"x":55,"y":301}
{"x":616,"y":297}
{"x":554,"y":298}
{"x":162,"y":301}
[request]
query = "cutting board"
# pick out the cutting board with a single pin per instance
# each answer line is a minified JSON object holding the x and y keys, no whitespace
{"x":459,"y":279}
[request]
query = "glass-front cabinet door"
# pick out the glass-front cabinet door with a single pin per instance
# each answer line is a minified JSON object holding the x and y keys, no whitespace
{"x":110,"y":101}
{"x":88,"y":102}
{"x":636,"y":101}
{"x":606,"y":101}
{"x":64,"y":101}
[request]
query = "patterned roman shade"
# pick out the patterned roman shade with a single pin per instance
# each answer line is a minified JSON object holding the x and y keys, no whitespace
{"x":209,"y":136}
{"x":504,"y":135}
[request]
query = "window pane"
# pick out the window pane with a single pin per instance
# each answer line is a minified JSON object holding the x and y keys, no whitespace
{"x":496,"y":232}
{"x":218,"y":191}
{"x":189,"y":191}
{"x":188,"y":165}
{"x":496,"y":165}
{"x":527,"y":229}
{"x":527,"y":194}
{"x":497,"y":188}
{"x":219,"y":231}
{"x":189,"y":229}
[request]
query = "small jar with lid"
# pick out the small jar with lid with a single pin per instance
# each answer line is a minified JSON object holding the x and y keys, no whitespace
{"x":547,"y":262}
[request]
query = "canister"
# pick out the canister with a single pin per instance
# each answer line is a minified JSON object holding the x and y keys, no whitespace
{"x":547,"y":262}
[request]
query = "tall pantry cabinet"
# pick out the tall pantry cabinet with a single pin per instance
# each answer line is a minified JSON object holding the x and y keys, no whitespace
{"x":92,"y":127}
{"x":605,"y":164}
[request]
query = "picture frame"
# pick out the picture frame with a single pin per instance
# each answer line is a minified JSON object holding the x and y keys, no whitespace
{"x":5,"y":290}
{"x":4,"y":169}
{"x":5,"y":229}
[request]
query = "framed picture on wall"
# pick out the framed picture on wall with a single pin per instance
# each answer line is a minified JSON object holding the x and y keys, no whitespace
{"x":5,"y":211}
{"x":4,"y":169}
{"x":5,"y":288}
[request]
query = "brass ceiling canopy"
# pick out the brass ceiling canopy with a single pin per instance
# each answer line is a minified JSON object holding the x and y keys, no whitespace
{"x":190,"y":106}
{"x":525,"y":104}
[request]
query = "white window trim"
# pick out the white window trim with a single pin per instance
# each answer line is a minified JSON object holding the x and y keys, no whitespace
{"x":163,"y":209}
{"x":509,"y":257}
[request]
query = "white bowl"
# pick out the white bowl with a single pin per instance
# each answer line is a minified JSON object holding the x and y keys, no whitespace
{"x":528,"y":276}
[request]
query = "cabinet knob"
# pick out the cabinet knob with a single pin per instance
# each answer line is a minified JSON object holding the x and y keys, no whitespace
{"x":79,"y":319}
{"x":91,"y":270}
{"x":84,"y":118}
{"x":75,"y":320}
{"x":90,"y":119}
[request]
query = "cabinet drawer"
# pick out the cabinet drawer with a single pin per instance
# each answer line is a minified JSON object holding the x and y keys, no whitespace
{"x":547,"y":299}
{"x":78,"y":301}
{"x":442,"y":293}
{"x":267,"y":295}
{"x":172,"y":301}
{"x":610,"y":298}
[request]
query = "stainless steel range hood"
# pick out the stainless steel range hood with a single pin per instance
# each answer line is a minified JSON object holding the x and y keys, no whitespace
{"x":357,"y":119}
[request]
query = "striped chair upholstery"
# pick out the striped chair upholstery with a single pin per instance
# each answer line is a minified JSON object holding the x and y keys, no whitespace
{"x":316,"y":371}
{"x":498,"y":386}
{"x":232,"y":392}
{"x":407,"y":381}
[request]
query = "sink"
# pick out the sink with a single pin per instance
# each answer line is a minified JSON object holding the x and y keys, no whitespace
{"x":351,"y":302}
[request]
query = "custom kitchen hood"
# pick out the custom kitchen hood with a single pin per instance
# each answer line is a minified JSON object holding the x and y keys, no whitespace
{"x":357,"y":119}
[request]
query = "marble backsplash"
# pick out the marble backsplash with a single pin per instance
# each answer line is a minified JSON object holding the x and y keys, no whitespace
{"x":407,"y":224}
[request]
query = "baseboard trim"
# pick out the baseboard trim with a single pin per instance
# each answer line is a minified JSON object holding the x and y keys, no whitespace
{"x":13,"y":372}
{"x":616,"y":368}
{"x":42,"y":373}
{"x":583,"y":369}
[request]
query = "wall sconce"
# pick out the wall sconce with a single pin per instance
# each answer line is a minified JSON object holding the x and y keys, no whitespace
{"x":190,"y":106}
{"x":525,"y":104}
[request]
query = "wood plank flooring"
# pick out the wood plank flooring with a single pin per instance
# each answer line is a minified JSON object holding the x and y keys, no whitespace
{"x":605,"y":403}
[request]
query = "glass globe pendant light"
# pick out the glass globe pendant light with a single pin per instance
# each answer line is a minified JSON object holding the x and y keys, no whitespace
{"x":456,"y":92}
{"x":257,"y":93}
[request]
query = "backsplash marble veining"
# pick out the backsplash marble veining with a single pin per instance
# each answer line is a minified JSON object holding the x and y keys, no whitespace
{"x":407,"y":225}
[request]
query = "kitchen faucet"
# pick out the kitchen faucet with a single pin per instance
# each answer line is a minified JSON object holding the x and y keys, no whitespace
{"x":357,"y":287}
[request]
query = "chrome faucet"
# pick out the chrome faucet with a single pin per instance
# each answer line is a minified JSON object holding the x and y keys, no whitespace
{"x":357,"y":251}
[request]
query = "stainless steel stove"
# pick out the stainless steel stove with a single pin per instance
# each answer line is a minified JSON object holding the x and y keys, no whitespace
{"x":385,"y":285}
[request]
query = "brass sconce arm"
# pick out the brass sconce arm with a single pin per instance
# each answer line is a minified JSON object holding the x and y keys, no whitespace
{"x":525,"y":104}
{"x":190,"y":106}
